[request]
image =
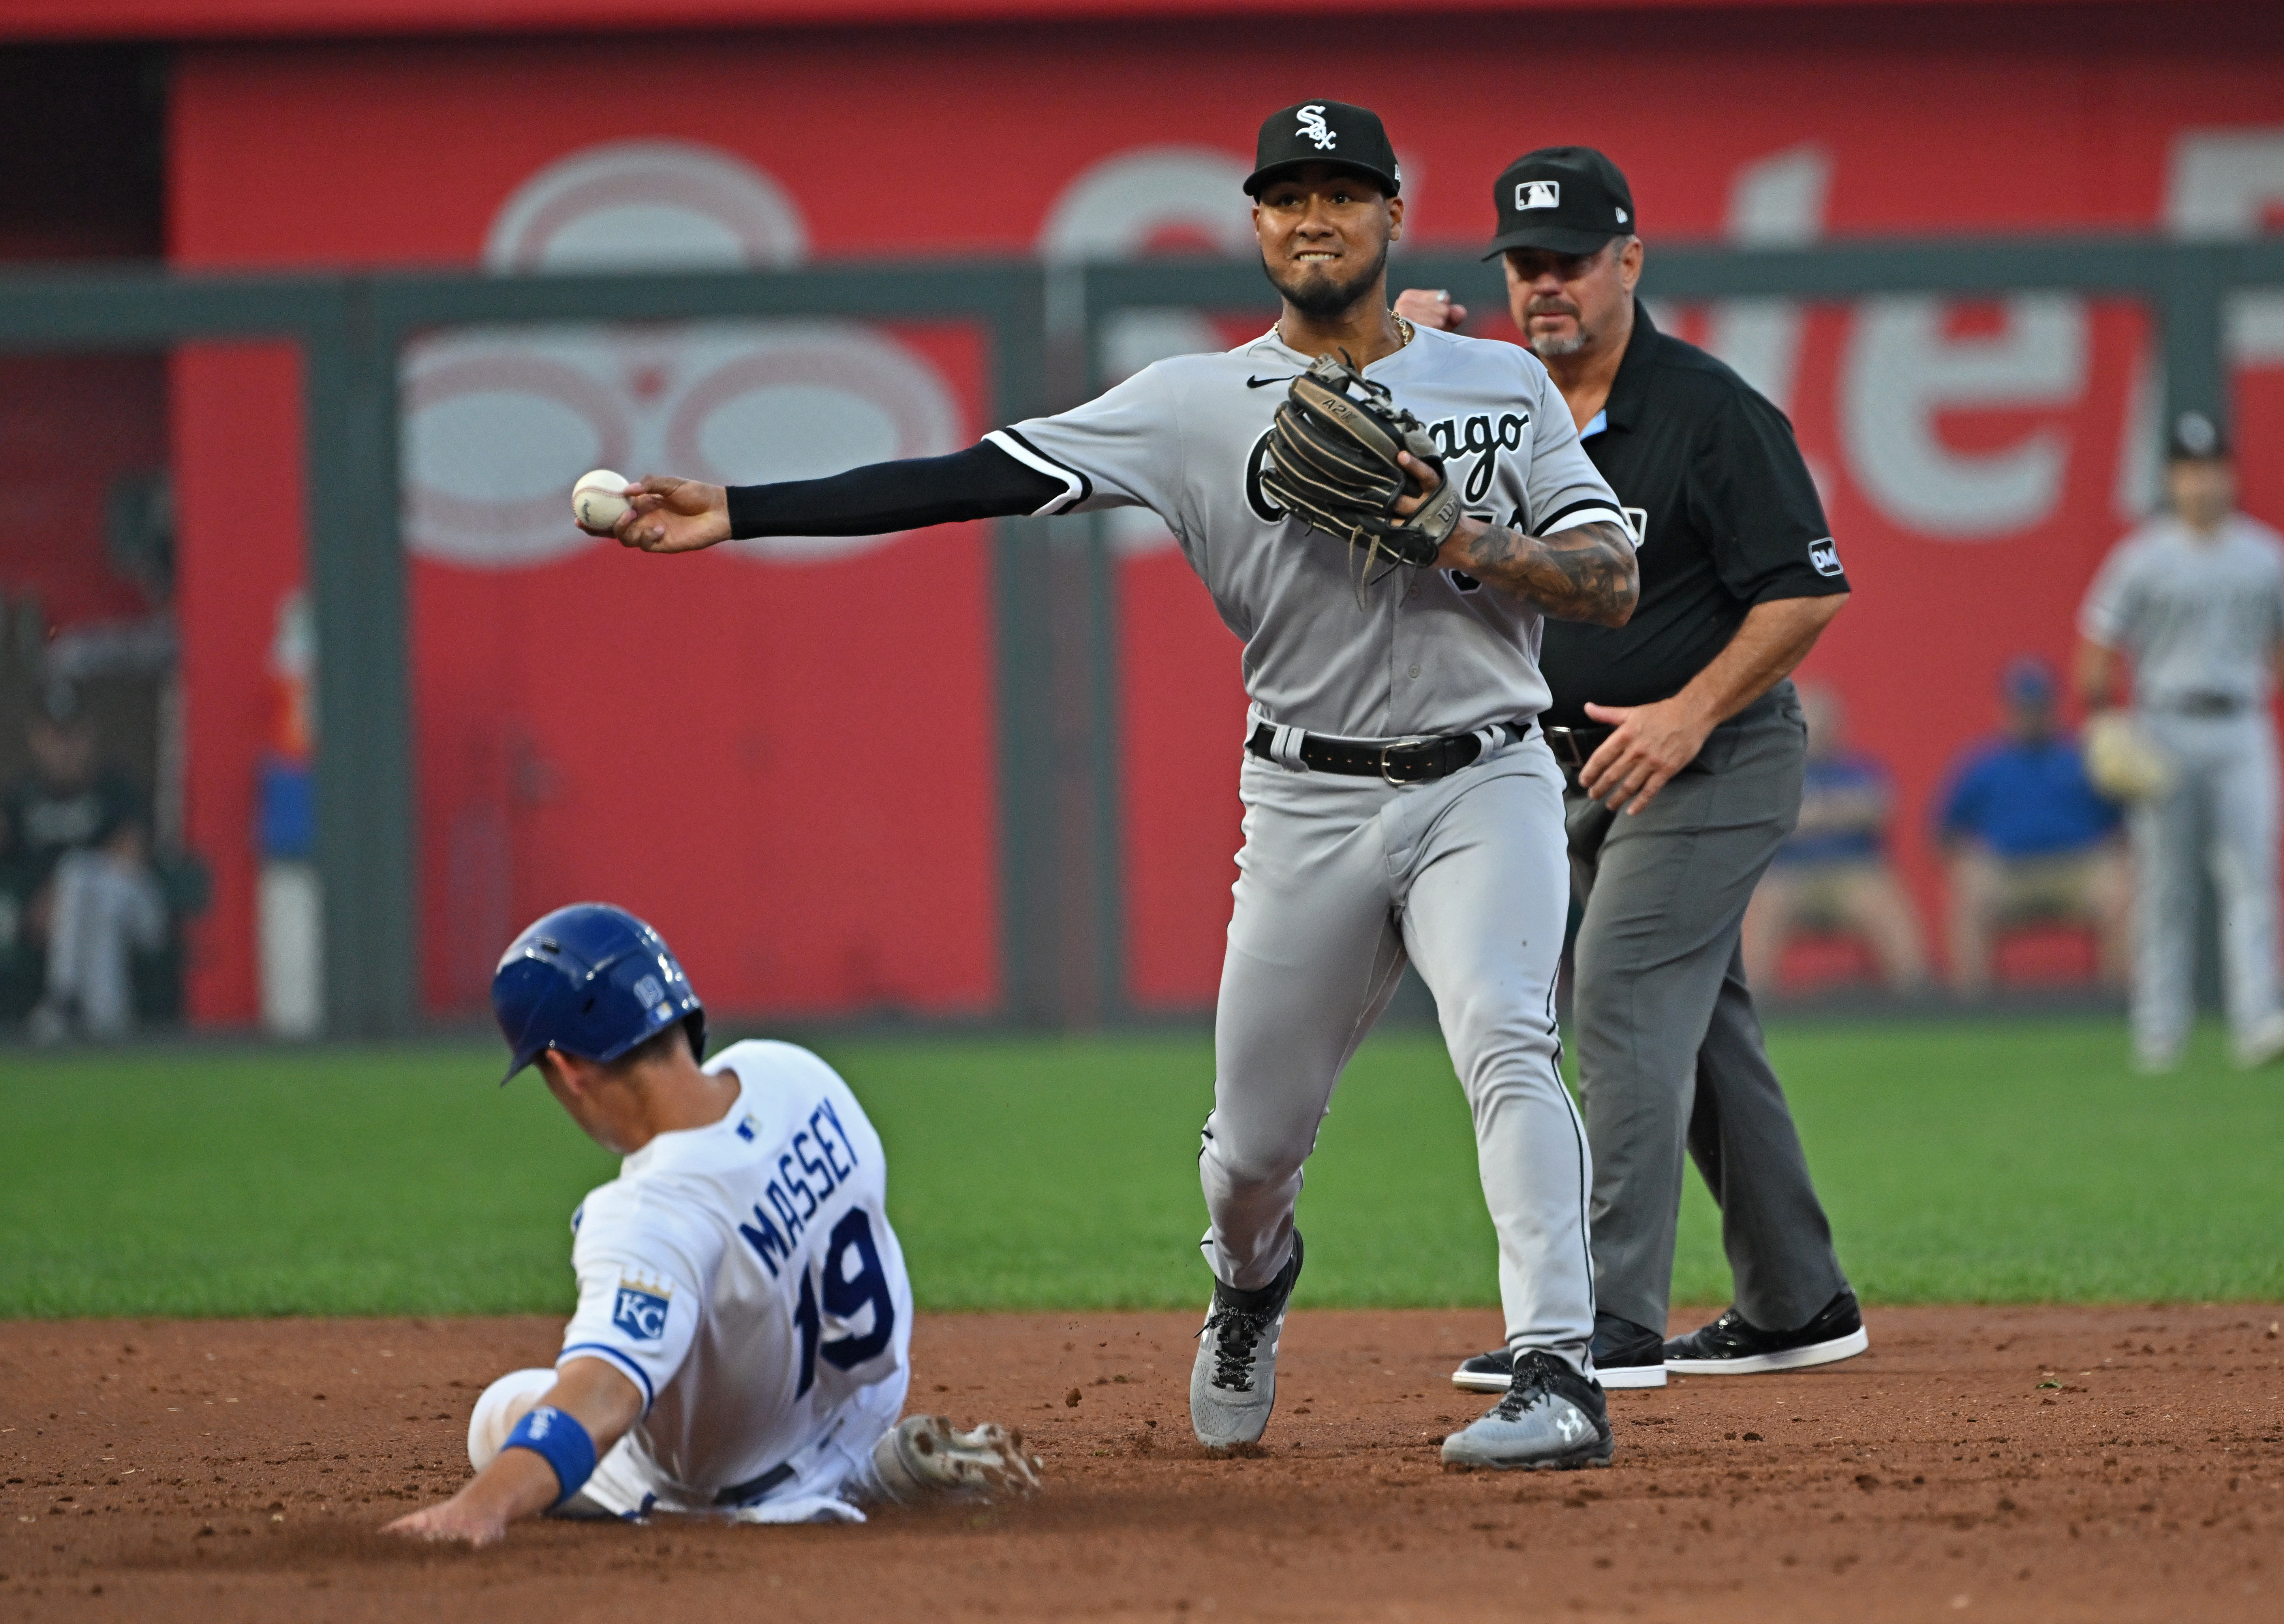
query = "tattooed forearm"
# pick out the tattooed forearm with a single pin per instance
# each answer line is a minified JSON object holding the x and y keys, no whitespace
{"x":1586,"y":572}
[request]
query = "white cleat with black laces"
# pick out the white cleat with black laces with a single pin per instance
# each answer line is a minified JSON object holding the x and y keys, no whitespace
{"x":1233,"y":1384}
{"x":1551,"y":1419}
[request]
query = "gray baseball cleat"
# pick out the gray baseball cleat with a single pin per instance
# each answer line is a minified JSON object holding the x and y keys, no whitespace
{"x":1233,"y":1384}
{"x":1551,"y":1419}
{"x":925,"y":1455}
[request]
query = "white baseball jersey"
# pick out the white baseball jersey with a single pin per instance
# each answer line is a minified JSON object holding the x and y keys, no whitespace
{"x":2199,"y":615}
{"x":1430,"y":652}
{"x":744,"y":1276}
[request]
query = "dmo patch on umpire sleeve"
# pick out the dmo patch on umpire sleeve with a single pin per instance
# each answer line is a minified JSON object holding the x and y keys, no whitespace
{"x":640,"y":1310}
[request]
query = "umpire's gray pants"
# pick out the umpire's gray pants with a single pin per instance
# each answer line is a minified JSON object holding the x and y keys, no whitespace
{"x":1670,"y":1049}
{"x":1340,"y":880}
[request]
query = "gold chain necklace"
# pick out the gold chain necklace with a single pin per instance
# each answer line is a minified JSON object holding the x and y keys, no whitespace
{"x":1406,"y":330}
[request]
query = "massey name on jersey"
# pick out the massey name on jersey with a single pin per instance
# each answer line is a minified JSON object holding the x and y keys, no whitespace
{"x":817,"y":1161}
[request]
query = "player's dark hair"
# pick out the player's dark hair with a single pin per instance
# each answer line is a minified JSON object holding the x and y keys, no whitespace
{"x":660,"y":1045}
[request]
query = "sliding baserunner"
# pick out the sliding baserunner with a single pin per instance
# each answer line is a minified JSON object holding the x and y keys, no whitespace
{"x":739,"y":1346}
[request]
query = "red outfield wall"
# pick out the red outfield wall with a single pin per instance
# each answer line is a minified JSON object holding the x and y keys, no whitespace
{"x":784,"y":756}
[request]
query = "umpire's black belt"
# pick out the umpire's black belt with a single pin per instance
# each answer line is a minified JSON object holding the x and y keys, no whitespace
{"x":1398,"y":760}
{"x":1574,"y":747}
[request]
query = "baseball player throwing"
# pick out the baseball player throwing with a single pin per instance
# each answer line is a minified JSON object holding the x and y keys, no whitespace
{"x":1382,"y":515}
{"x":739,"y":1348}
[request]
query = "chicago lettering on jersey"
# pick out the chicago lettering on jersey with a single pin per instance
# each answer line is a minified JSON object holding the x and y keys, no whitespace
{"x":1478,"y":437}
{"x":823,"y":1152}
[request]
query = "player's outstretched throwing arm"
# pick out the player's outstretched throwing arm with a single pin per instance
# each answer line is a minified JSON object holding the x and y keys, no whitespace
{"x":666,"y":514}
{"x":1586,"y":572}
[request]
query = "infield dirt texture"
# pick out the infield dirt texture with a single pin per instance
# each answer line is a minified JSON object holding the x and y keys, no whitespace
{"x":2062,"y":1464}
{"x":2110,"y":1460}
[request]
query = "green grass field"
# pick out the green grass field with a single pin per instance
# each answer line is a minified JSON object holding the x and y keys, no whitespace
{"x":2019,"y":1161}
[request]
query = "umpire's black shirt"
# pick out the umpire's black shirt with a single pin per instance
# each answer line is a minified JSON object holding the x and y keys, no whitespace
{"x":1725,"y":514}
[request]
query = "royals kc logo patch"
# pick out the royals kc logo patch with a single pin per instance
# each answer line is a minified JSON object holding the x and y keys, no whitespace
{"x":641,"y":1311}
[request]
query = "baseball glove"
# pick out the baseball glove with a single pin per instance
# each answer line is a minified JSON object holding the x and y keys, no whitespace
{"x":1331,"y":462}
{"x":2121,"y":763}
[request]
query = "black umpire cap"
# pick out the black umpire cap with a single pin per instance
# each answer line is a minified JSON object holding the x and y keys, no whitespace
{"x":1323,"y":132}
{"x":1565,"y":199}
{"x":2195,"y":438}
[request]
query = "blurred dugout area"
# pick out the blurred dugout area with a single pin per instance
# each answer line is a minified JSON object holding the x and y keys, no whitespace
{"x":87,"y":645}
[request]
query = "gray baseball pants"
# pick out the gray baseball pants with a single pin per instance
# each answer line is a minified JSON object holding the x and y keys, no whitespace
{"x":2222,"y":810}
{"x":1669,"y":1051}
{"x":1340,"y":881}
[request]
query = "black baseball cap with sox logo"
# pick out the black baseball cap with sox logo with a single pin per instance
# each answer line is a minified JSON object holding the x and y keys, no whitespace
{"x":1565,"y":199}
{"x":1323,"y":132}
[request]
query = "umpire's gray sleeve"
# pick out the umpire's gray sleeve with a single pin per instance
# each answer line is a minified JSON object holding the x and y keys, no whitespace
{"x":1123,"y":449}
{"x":1563,"y":487}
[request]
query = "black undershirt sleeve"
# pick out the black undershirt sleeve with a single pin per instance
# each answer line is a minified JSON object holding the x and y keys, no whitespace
{"x":981,"y":482}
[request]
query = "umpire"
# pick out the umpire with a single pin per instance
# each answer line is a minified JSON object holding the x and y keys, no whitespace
{"x":1682,"y":745}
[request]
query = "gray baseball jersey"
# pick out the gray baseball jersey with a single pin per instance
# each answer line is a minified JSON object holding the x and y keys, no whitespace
{"x":2198,"y":616}
{"x":2201,"y":616}
{"x":1429,"y":651}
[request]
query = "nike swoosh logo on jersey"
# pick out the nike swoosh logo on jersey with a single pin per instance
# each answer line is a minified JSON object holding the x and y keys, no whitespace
{"x":1258,"y":383}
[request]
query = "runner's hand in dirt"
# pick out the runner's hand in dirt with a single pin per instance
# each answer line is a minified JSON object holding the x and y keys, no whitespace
{"x":517,"y":1484}
{"x":520,"y":1482}
{"x":670,"y":515}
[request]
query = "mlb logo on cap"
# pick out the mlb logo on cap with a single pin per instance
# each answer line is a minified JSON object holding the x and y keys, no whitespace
{"x":1560,"y":199}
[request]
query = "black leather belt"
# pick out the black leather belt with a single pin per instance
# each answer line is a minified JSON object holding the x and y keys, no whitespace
{"x":1399,"y":760}
{"x":1574,"y":747}
{"x":2207,"y":704}
{"x":753,"y":1488}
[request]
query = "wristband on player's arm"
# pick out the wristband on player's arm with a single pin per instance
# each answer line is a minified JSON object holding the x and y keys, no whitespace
{"x":557,"y":1438}
{"x":981,"y":482}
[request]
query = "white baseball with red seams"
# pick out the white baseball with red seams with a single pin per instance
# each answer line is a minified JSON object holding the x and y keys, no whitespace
{"x":598,"y":499}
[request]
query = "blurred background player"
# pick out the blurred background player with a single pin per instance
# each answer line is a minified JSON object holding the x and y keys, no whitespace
{"x":739,"y":1346}
{"x":1681,"y":743}
{"x":74,"y":845}
{"x":2030,"y":840}
{"x":1834,"y":874}
{"x":2194,"y":601}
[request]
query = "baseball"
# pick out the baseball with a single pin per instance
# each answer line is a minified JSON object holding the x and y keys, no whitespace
{"x":596,"y":500}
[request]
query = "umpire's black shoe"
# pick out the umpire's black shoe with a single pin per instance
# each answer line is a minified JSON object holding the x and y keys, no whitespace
{"x":1733,"y":1346}
{"x":1625,"y":1355}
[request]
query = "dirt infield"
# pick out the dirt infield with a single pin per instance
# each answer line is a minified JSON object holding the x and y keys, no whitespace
{"x":1979,"y":1463}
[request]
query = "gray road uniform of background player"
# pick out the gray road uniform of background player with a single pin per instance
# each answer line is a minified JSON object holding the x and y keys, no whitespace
{"x":714,"y":1247}
{"x":1340,"y":879}
{"x":2202,"y":616}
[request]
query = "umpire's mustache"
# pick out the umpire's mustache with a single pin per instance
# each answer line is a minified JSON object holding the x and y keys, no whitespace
{"x":1551,"y":307}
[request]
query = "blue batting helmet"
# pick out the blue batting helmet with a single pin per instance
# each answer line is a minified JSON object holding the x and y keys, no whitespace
{"x":592,"y":980}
